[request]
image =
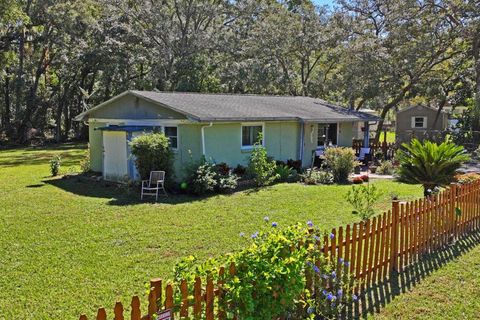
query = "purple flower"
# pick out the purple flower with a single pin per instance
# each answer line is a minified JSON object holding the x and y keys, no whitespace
{"x":266,"y":219}
{"x":324,"y":276}
{"x":347,"y":263}
{"x":255,"y":235}
{"x":334,"y":274}
{"x":316,"y":269}
{"x":340,"y":260}
{"x":354,"y":297}
{"x":330,"y":296}
{"x":274,"y":224}
{"x":333,"y":304}
{"x":316,"y":238}
{"x":309,"y":263}
{"x":332,"y":236}
{"x":242,"y":234}
{"x":310,"y":310}
{"x":324,"y":292}
{"x":310,"y":223}
{"x":340,"y":292}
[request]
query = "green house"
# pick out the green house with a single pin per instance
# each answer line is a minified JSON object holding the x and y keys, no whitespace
{"x":222,"y":127}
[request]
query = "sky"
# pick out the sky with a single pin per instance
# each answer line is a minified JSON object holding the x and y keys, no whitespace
{"x":322,"y":2}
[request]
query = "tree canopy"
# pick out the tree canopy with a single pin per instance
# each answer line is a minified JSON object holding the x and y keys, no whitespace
{"x":61,"y":57}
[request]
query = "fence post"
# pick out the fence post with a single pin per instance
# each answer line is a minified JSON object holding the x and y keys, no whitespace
{"x":453,"y":215}
{"x":394,"y":237}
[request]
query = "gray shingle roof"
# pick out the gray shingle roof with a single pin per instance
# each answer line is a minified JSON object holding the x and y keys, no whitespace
{"x":235,"y":107}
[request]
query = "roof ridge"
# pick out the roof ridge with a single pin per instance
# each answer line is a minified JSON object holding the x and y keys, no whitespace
{"x":227,"y":94}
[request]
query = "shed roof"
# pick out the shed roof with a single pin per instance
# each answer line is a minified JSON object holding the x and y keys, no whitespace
{"x":205,"y":107}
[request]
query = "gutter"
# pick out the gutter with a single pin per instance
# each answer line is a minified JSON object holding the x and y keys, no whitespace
{"x":203,"y":137}
{"x":302,"y":140}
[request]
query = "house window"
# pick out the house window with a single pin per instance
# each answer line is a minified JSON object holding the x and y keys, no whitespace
{"x":250,"y":135}
{"x":419,"y":122}
{"x":172,"y":134}
{"x":326,"y":134}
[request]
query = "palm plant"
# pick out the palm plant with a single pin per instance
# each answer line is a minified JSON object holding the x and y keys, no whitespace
{"x":429,"y":163}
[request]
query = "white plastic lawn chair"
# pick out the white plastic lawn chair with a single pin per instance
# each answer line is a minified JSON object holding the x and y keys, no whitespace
{"x":154,"y":185}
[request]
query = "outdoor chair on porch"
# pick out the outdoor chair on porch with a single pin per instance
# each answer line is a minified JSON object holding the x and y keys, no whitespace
{"x":364,"y":155}
{"x":154,"y":185}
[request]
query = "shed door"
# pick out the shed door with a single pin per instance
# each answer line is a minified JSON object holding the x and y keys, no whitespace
{"x":115,"y":155}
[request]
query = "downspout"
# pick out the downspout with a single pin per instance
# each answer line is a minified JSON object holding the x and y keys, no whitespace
{"x":302,"y":140}
{"x":203,"y":137}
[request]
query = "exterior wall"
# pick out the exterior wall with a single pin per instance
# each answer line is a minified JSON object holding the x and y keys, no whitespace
{"x":404,"y":130}
{"x":96,"y":145}
{"x":223,"y":142}
{"x":345,"y":133}
{"x":131,"y":107}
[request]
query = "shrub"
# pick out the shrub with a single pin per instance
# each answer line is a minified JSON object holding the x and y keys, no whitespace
{"x":295,"y":164}
{"x":240,"y":170}
{"x":386,"y":168}
{"x":284,"y":172}
{"x":270,"y":276}
{"x":85,"y":163}
{"x":357,"y":180}
{"x":363,"y":199}
{"x":316,"y":176}
{"x":55,"y":164}
{"x":205,"y":177}
{"x":429,"y":163}
{"x":341,"y":162}
{"x":222,"y":168}
{"x":152,"y":153}
{"x":365,"y":178}
{"x":260,"y":167}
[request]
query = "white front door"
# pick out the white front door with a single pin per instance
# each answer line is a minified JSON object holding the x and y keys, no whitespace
{"x":115,"y":167}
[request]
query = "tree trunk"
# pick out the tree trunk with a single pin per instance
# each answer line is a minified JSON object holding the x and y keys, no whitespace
{"x":7,"y":114}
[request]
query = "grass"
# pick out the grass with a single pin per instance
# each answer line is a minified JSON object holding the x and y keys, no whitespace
{"x":68,"y":247}
{"x":449,"y":292}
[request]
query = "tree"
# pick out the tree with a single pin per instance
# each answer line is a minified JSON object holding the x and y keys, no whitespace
{"x":430,"y":164}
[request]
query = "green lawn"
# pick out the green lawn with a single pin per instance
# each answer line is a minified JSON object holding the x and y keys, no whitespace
{"x":68,"y":247}
{"x":451,"y":292}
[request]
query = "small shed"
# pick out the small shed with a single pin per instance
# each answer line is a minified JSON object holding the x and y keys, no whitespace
{"x":421,"y":122}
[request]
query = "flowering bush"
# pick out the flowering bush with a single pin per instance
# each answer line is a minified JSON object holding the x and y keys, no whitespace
{"x":269,"y":280}
{"x":365,"y":178}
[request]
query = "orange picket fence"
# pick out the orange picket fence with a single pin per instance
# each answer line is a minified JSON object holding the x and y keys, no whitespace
{"x":375,"y":249}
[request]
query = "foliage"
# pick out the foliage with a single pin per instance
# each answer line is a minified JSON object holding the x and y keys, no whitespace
{"x":335,"y":286}
{"x":270,"y":275}
{"x":85,"y":163}
{"x":55,"y":164}
{"x":341,"y":161}
{"x":205,"y":177}
{"x":152,"y":153}
{"x":357,"y":180}
{"x":365,"y":178}
{"x":429,"y":163}
{"x":285,"y":173}
{"x":260,"y":167}
{"x":386,"y":168}
{"x":240,"y":170}
{"x":316,"y":176}
{"x":362,"y":199}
